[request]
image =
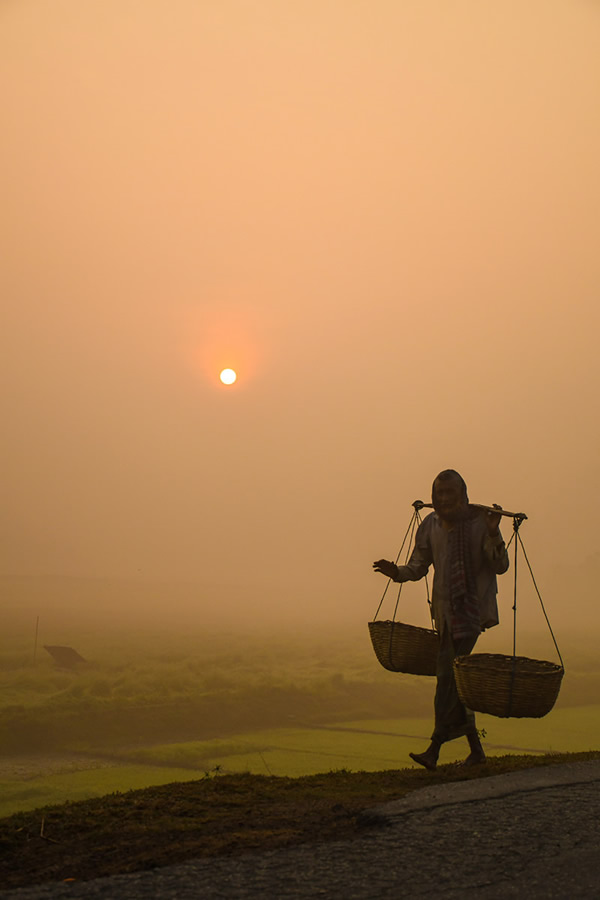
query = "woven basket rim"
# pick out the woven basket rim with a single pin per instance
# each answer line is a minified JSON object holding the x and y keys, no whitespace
{"x":403,"y":625}
{"x":501,"y":660}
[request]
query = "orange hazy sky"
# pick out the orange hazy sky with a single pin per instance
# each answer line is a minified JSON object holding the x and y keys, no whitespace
{"x":384,"y":215}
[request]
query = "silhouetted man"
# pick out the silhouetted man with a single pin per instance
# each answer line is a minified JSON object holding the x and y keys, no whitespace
{"x":467,"y":551}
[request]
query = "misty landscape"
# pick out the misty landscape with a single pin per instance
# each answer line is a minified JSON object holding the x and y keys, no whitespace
{"x":381,"y":221}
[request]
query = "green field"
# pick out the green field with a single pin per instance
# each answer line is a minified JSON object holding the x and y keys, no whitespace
{"x":374,"y":744}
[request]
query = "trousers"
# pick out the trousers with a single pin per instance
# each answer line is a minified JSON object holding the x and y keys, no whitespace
{"x":452,"y":718}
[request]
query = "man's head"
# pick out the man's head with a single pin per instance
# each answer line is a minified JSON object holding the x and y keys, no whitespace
{"x":449,"y":495}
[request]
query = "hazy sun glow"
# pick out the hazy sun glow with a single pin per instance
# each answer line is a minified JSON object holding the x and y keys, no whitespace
{"x":228,"y":376}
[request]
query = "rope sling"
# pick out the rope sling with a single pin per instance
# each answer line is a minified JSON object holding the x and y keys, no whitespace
{"x":499,"y":685}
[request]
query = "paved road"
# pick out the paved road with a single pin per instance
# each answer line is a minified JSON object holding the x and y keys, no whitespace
{"x":533,"y":835}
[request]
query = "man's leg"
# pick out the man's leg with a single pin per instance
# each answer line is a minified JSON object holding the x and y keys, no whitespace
{"x":452,"y":718}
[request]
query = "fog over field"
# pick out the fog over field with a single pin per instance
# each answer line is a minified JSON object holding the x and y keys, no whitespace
{"x":383,"y":216}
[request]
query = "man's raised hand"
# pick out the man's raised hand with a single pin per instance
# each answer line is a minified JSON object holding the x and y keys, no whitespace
{"x":387,"y":568}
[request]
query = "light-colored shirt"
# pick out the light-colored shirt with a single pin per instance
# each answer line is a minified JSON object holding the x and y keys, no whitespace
{"x":489,"y":558}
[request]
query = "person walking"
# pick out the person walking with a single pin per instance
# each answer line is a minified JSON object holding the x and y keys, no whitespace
{"x":467,"y":551}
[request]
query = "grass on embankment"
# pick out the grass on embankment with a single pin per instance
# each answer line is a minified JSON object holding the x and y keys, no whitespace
{"x":226,"y":814}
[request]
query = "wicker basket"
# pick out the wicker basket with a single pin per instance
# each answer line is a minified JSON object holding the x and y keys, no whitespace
{"x":405,"y":648}
{"x":507,"y":686}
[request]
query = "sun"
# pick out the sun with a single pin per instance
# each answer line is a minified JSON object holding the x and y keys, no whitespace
{"x":228,"y":376}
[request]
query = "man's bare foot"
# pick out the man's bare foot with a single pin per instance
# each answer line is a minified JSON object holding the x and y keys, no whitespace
{"x":427,"y":759}
{"x":477,"y":758}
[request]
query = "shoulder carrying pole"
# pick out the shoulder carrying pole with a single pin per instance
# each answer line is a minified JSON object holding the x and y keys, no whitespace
{"x":418,"y":504}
